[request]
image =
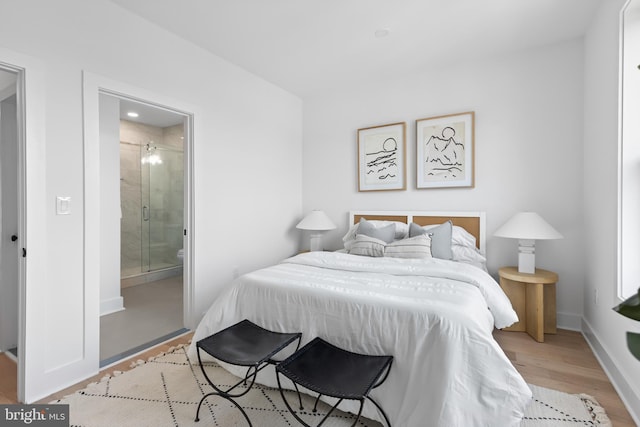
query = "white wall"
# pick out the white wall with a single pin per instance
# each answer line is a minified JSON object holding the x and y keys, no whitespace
{"x":604,"y":328}
{"x":528,"y":136}
{"x":110,"y":296}
{"x":247,"y":165}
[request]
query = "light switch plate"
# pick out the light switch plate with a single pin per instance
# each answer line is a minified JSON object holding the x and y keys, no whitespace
{"x":63,"y":205}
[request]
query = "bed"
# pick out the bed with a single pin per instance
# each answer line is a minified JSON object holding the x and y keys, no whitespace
{"x":434,"y":315}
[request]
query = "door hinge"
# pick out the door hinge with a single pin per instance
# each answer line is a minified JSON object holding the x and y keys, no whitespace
{"x":24,"y":253}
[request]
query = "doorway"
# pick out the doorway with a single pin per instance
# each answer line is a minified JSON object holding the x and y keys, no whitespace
{"x":10,"y":220}
{"x":144,"y":304}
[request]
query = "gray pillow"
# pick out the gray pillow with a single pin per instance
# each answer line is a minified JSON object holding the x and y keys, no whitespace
{"x":386,"y":233}
{"x":440,"y":238}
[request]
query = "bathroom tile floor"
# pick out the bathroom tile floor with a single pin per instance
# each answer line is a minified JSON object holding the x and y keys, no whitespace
{"x":153,"y":313}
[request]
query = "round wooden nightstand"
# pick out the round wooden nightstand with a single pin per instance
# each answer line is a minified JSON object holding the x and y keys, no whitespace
{"x":533,"y":297}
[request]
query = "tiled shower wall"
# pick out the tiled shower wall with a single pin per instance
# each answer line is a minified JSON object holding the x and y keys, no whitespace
{"x":150,"y":245}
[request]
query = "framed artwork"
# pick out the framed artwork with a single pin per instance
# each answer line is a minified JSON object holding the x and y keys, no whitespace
{"x":445,"y":151}
{"x":382,"y":158}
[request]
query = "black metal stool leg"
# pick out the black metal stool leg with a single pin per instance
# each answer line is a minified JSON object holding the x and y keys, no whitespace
{"x":225,"y":397}
{"x":200,"y":404}
{"x":315,"y":405}
{"x":359,"y":413}
{"x":286,"y":402}
{"x":381,"y":411}
{"x":338,"y":369}
{"x":299,"y":397}
{"x":242,"y":344}
{"x":213,"y":393}
{"x":326,"y":417}
{"x":225,"y":394}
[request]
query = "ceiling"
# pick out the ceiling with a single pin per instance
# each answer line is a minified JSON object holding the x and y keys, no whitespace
{"x":148,"y":114}
{"x":308,"y":46}
{"x":7,"y":78}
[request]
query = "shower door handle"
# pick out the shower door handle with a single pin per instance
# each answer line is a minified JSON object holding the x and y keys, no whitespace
{"x":145,"y":213}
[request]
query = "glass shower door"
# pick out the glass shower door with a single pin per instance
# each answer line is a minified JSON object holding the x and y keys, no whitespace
{"x":152,"y":202}
{"x":162,"y":207}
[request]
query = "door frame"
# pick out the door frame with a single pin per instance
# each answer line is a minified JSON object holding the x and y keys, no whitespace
{"x":93,"y":86}
{"x":21,"y":219}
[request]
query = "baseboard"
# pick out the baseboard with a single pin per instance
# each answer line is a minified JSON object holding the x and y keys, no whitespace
{"x":152,"y":276}
{"x":570,"y":321}
{"x":111,"y":305}
{"x":630,"y":399}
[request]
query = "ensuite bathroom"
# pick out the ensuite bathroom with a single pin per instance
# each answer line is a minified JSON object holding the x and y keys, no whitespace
{"x":151,"y":232}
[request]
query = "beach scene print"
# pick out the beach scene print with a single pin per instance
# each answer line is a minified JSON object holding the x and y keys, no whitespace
{"x":381,"y":159}
{"x":444,"y":152}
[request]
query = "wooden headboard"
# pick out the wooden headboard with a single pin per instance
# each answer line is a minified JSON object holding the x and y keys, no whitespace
{"x":473,"y":222}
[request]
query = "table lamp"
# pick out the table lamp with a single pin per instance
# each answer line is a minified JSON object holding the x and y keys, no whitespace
{"x":316,"y":221}
{"x":631,"y":308}
{"x":527,"y":227}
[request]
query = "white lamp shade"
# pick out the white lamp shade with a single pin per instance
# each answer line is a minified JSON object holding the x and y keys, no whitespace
{"x":316,"y":221}
{"x":527,"y":226}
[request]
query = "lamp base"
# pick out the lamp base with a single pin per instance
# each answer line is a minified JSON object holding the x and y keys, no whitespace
{"x":526,"y":256}
{"x":316,"y":243}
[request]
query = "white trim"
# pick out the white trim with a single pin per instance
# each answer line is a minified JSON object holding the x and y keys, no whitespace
{"x":111,"y":305}
{"x":19,"y":91}
{"x":189,"y":317}
{"x":624,"y":389}
{"x":570,"y":321}
{"x":93,"y":85}
{"x":32,"y":193}
{"x":619,"y":285}
{"x":410,"y":214}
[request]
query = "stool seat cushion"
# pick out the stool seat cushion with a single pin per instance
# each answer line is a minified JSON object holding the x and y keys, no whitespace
{"x":329,"y":370}
{"x":245,"y":344}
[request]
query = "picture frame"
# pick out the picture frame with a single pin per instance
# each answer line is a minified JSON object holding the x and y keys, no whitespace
{"x":382,"y":157}
{"x":445,"y":148}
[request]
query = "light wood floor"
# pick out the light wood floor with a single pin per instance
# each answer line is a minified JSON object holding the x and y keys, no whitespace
{"x":8,"y":388}
{"x":563,"y":362}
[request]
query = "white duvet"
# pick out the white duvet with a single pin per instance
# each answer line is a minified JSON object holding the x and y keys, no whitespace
{"x":434,"y":316}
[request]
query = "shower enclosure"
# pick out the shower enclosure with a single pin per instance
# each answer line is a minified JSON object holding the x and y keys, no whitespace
{"x":152,"y":200}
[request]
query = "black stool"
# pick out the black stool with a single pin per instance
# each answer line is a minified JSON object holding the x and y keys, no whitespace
{"x":332,"y":371}
{"x":243,"y":344}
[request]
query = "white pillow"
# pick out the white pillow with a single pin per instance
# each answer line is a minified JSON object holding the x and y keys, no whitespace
{"x":460,"y":236}
{"x":467,"y":253}
{"x":411,"y":247}
{"x":367,"y":246}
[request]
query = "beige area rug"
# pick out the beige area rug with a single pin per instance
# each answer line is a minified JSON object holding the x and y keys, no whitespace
{"x":165,"y":391}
